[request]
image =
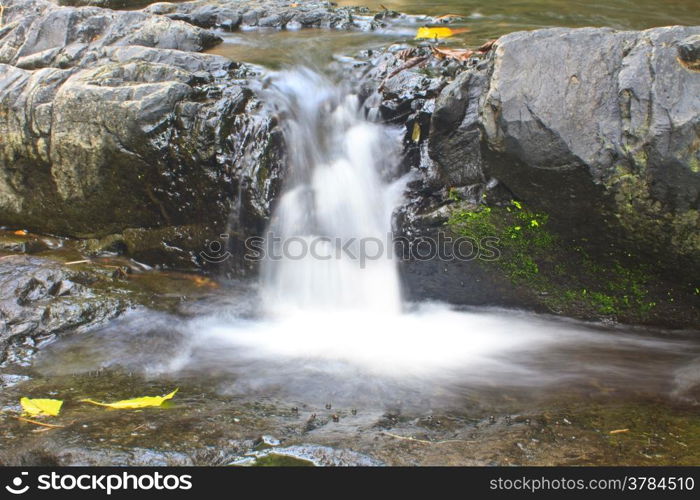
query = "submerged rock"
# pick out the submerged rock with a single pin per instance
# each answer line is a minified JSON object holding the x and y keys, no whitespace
{"x":308,"y":455}
{"x":40,"y":299}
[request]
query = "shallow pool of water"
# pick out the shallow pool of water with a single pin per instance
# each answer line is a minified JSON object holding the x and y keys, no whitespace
{"x":432,"y":355}
{"x":484,"y":20}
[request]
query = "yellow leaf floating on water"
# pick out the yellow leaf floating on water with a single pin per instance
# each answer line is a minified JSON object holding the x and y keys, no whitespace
{"x":439,"y":32}
{"x":130,"y":404}
{"x":35,"y":407}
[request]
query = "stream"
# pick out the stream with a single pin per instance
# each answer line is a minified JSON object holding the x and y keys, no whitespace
{"x":323,"y":361}
{"x":484,"y":20}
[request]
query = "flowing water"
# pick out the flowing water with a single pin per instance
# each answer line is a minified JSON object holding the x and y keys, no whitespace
{"x":325,"y":323}
{"x":334,"y":328}
{"x":484,"y":21}
{"x":338,"y":199}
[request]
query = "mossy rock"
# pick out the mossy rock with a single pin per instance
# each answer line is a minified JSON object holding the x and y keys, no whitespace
{"x":572,"y":277}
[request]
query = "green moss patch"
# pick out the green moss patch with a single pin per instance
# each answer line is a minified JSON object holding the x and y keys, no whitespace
{"x":562,"y":274}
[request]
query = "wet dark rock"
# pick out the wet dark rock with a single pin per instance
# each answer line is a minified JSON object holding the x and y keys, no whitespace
{"x":596,"y":128}
{"x":608,"y":140}
{"x":232,"y":15}
{"x":40,"y":299}
{"x":127,"y":132}
{"x":603,"y":134}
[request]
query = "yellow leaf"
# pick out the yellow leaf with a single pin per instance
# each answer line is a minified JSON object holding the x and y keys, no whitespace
{"x":129,"y":404}
{"x":35,"y":407}
{"x":439,"y":32}
{"x":415,"y":135}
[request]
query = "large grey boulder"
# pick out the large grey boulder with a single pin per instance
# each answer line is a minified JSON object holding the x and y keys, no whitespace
{"x":37,"y":33}
{"x":598,"y":128}
{"x":111,"y":125}
{"x":596,"y":132}
{"x":607,"y":127}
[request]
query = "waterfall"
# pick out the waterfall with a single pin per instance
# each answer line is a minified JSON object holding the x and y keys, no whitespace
{"x":329,"y":239}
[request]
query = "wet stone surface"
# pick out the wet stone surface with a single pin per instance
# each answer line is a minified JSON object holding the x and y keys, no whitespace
{"x":203,"y":428}
{"x":224,"y":414}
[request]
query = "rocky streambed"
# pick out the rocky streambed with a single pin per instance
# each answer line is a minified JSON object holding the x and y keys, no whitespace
{"x":117,"y":130}
{"x":127,"y":151}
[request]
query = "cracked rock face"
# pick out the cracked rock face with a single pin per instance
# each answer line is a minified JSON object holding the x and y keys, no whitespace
{"x":110,"y":123}
{"x":113,"y":125}
{"x":611,"y":131}
{"x":40,"y":299}
{"x":610,"y":120}
{"x":604,"y":136}
{"x":279,"y":14}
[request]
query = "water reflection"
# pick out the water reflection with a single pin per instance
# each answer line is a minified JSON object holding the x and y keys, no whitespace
{"x":432,"y":356}
{"x":485,"y":20}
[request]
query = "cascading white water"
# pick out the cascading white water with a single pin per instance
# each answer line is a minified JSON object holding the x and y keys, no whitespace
{"x":331,"y":228}
{"x":335,"y":327}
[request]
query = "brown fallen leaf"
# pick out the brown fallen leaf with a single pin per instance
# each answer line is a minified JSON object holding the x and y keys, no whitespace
{"x":619,"y":431}
{"x":448,"y":53}
{"x":487,"y":46}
